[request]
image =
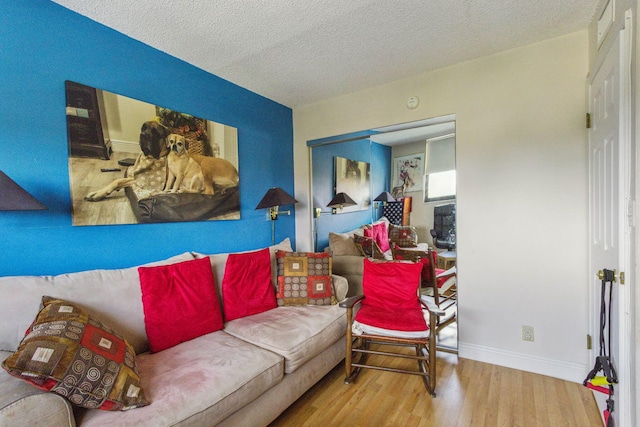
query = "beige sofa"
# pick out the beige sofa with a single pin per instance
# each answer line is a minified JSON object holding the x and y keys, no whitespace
{"x":244,"y":375}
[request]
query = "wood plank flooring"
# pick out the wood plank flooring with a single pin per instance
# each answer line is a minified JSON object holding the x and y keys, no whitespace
{"x":86,"y":176}
{"x":470,"y":393}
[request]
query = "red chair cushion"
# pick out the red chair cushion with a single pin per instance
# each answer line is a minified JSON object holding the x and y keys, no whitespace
{"x":441,"y":280}
{"x":391,"y":296}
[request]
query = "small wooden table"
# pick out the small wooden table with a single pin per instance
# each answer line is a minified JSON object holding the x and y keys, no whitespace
{"x":446,"y":260}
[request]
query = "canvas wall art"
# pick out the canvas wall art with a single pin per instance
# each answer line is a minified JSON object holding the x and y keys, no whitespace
{"x":132,"y":162}
{"x":408,"y":172}
{"x":353,"y":178}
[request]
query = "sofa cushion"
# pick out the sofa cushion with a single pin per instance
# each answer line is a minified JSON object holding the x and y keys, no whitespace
{"x":246,"y":286}
{"x":304,"y":278}
{"x":68,"y":352}
{"x":342,"y":244}
{"x":216,"y":373}
{"x":297,"y":333}
{"x":179,"y":301}
{"x":111,"y":296}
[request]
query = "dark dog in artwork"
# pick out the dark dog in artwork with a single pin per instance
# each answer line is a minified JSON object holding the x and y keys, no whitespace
{"x":153,"y":144}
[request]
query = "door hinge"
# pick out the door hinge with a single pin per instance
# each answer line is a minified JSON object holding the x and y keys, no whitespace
{"x":589,"y":346}
{"x":588,"y":121}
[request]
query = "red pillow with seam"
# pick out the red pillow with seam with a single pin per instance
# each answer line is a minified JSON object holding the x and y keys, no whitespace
{"x":391,"y":287}
{"x":378,"y":232}
{"x":179,"y":302}
{"x":246,"y":286}
{"x":382,"y":237}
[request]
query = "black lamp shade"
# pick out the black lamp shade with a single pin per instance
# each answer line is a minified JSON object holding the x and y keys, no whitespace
{"x":385,"y":196}
{"x":341,"y":200}
{"x":275,"y":197}
{"x":15,"y":198}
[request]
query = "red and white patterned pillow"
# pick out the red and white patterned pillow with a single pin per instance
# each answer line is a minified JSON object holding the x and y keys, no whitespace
{"x":71,"y":354}
{"x":404,"y":236}
{"x":304,"y":278}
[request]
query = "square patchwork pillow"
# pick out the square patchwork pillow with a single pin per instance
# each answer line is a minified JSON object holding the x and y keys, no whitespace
{"x":69,"y":353}
{"x":179,"y":302}
{"x":368,"y":247}
{"x":246,"y":286}
{"x":403,"y":236}
{"x":304,"y":278}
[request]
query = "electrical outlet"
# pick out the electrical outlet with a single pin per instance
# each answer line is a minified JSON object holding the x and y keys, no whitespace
{"x":527,"y":333}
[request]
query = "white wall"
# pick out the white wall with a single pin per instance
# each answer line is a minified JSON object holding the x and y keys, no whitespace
{"x":522,"y":193}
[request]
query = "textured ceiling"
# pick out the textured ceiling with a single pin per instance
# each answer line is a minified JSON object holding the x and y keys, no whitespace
{"x":304,"y":51}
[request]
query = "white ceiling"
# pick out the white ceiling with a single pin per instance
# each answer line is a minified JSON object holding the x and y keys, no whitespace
{"x":298,"y":52}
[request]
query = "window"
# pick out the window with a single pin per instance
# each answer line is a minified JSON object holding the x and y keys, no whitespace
{"x":440,"y":169}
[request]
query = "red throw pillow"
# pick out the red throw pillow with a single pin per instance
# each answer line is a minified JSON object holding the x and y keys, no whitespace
{"x":179,"y":302}
{"x":391,"y":296}
{"x":378,"y":232}
{"x":246,"y":286}
{"x":382,"y":236}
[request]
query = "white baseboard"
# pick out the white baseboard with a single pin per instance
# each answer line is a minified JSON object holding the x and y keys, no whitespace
{"x":125,"y":146}
{"x":568,"y":371}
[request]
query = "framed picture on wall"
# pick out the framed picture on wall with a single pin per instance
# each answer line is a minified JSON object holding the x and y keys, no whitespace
{"x":132,"y":162}
{"x":352,"y":178}
{"x":408,"y":171}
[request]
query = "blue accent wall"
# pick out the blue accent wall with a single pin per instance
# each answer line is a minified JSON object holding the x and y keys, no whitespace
{"x":44,"y":44}
{"x":362,"y":150}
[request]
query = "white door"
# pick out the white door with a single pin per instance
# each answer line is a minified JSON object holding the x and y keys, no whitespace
{"x":609,"y":246}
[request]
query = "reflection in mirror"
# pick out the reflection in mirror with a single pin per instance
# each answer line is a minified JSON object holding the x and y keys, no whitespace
{"x":133,"y":162}
{"x":398,"y":154}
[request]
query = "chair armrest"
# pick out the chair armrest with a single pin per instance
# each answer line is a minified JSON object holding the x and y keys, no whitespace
{"x":351,"y":301}
{"x":432,"y":307}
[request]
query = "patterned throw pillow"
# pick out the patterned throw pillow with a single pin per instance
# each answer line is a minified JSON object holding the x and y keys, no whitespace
{"x":69,"y":353}
{"x":403,"y":236}
{"x":368,"y":247}
{"x":304,"y":278}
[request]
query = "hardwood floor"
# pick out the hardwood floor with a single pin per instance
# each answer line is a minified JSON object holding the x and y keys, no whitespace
{"x":470,"y":393}
{"x":86,"y":176}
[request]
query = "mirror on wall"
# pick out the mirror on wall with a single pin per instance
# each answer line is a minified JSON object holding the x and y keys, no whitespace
{"x":416,"y":159}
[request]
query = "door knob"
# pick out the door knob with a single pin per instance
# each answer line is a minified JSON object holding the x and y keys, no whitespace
{"x":602,"y":275}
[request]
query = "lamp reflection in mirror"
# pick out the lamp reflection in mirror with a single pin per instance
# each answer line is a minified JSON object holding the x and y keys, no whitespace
{"x":273,"y":199}
{"x":340,"y":201}
{"x":337,"y":203}
{"x":15,"y":198}
{"x":384,"y":197}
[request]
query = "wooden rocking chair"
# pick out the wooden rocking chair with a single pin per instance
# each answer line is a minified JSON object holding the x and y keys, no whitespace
{"x":390,"y":313}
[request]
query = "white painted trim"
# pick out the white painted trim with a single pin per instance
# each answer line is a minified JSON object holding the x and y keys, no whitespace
{"x":568,"y":371}
{"x":125,"y":146}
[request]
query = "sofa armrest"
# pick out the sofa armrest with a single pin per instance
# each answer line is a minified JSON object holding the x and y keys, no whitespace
{"x":340,"y":286}
{"x":29,"y":406}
